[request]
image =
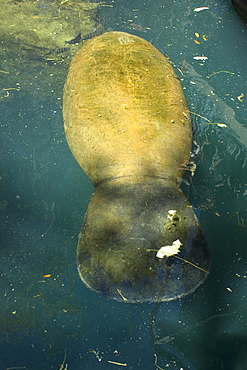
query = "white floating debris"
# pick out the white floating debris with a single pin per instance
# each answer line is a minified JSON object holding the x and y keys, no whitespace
{"x":200,"y":58}
{"x":171,"y":213}
{"x":240,"y":97}
{"x":169,"y":250}
{"x":200,"y":9}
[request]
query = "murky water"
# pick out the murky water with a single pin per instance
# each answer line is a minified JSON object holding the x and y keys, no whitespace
{"x":44,"y":196}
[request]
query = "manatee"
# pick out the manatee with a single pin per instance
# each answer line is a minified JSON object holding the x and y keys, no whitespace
{"x":128,"y":126}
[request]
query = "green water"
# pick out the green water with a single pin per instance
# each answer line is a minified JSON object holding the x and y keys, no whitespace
{"x":44,"y":196}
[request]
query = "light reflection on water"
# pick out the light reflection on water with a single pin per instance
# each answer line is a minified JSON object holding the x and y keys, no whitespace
{"x":45,"y":195}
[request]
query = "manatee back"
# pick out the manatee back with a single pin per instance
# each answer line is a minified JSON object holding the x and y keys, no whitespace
{"x":124,"y":110}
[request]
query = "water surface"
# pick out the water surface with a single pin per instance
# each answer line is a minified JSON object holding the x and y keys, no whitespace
{"x":44,"y":196}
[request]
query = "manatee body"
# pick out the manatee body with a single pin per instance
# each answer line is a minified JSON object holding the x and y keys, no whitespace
{"x":127,"y":124}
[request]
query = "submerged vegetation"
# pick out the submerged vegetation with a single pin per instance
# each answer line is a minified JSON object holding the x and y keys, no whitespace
{"x":33,"y":41}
